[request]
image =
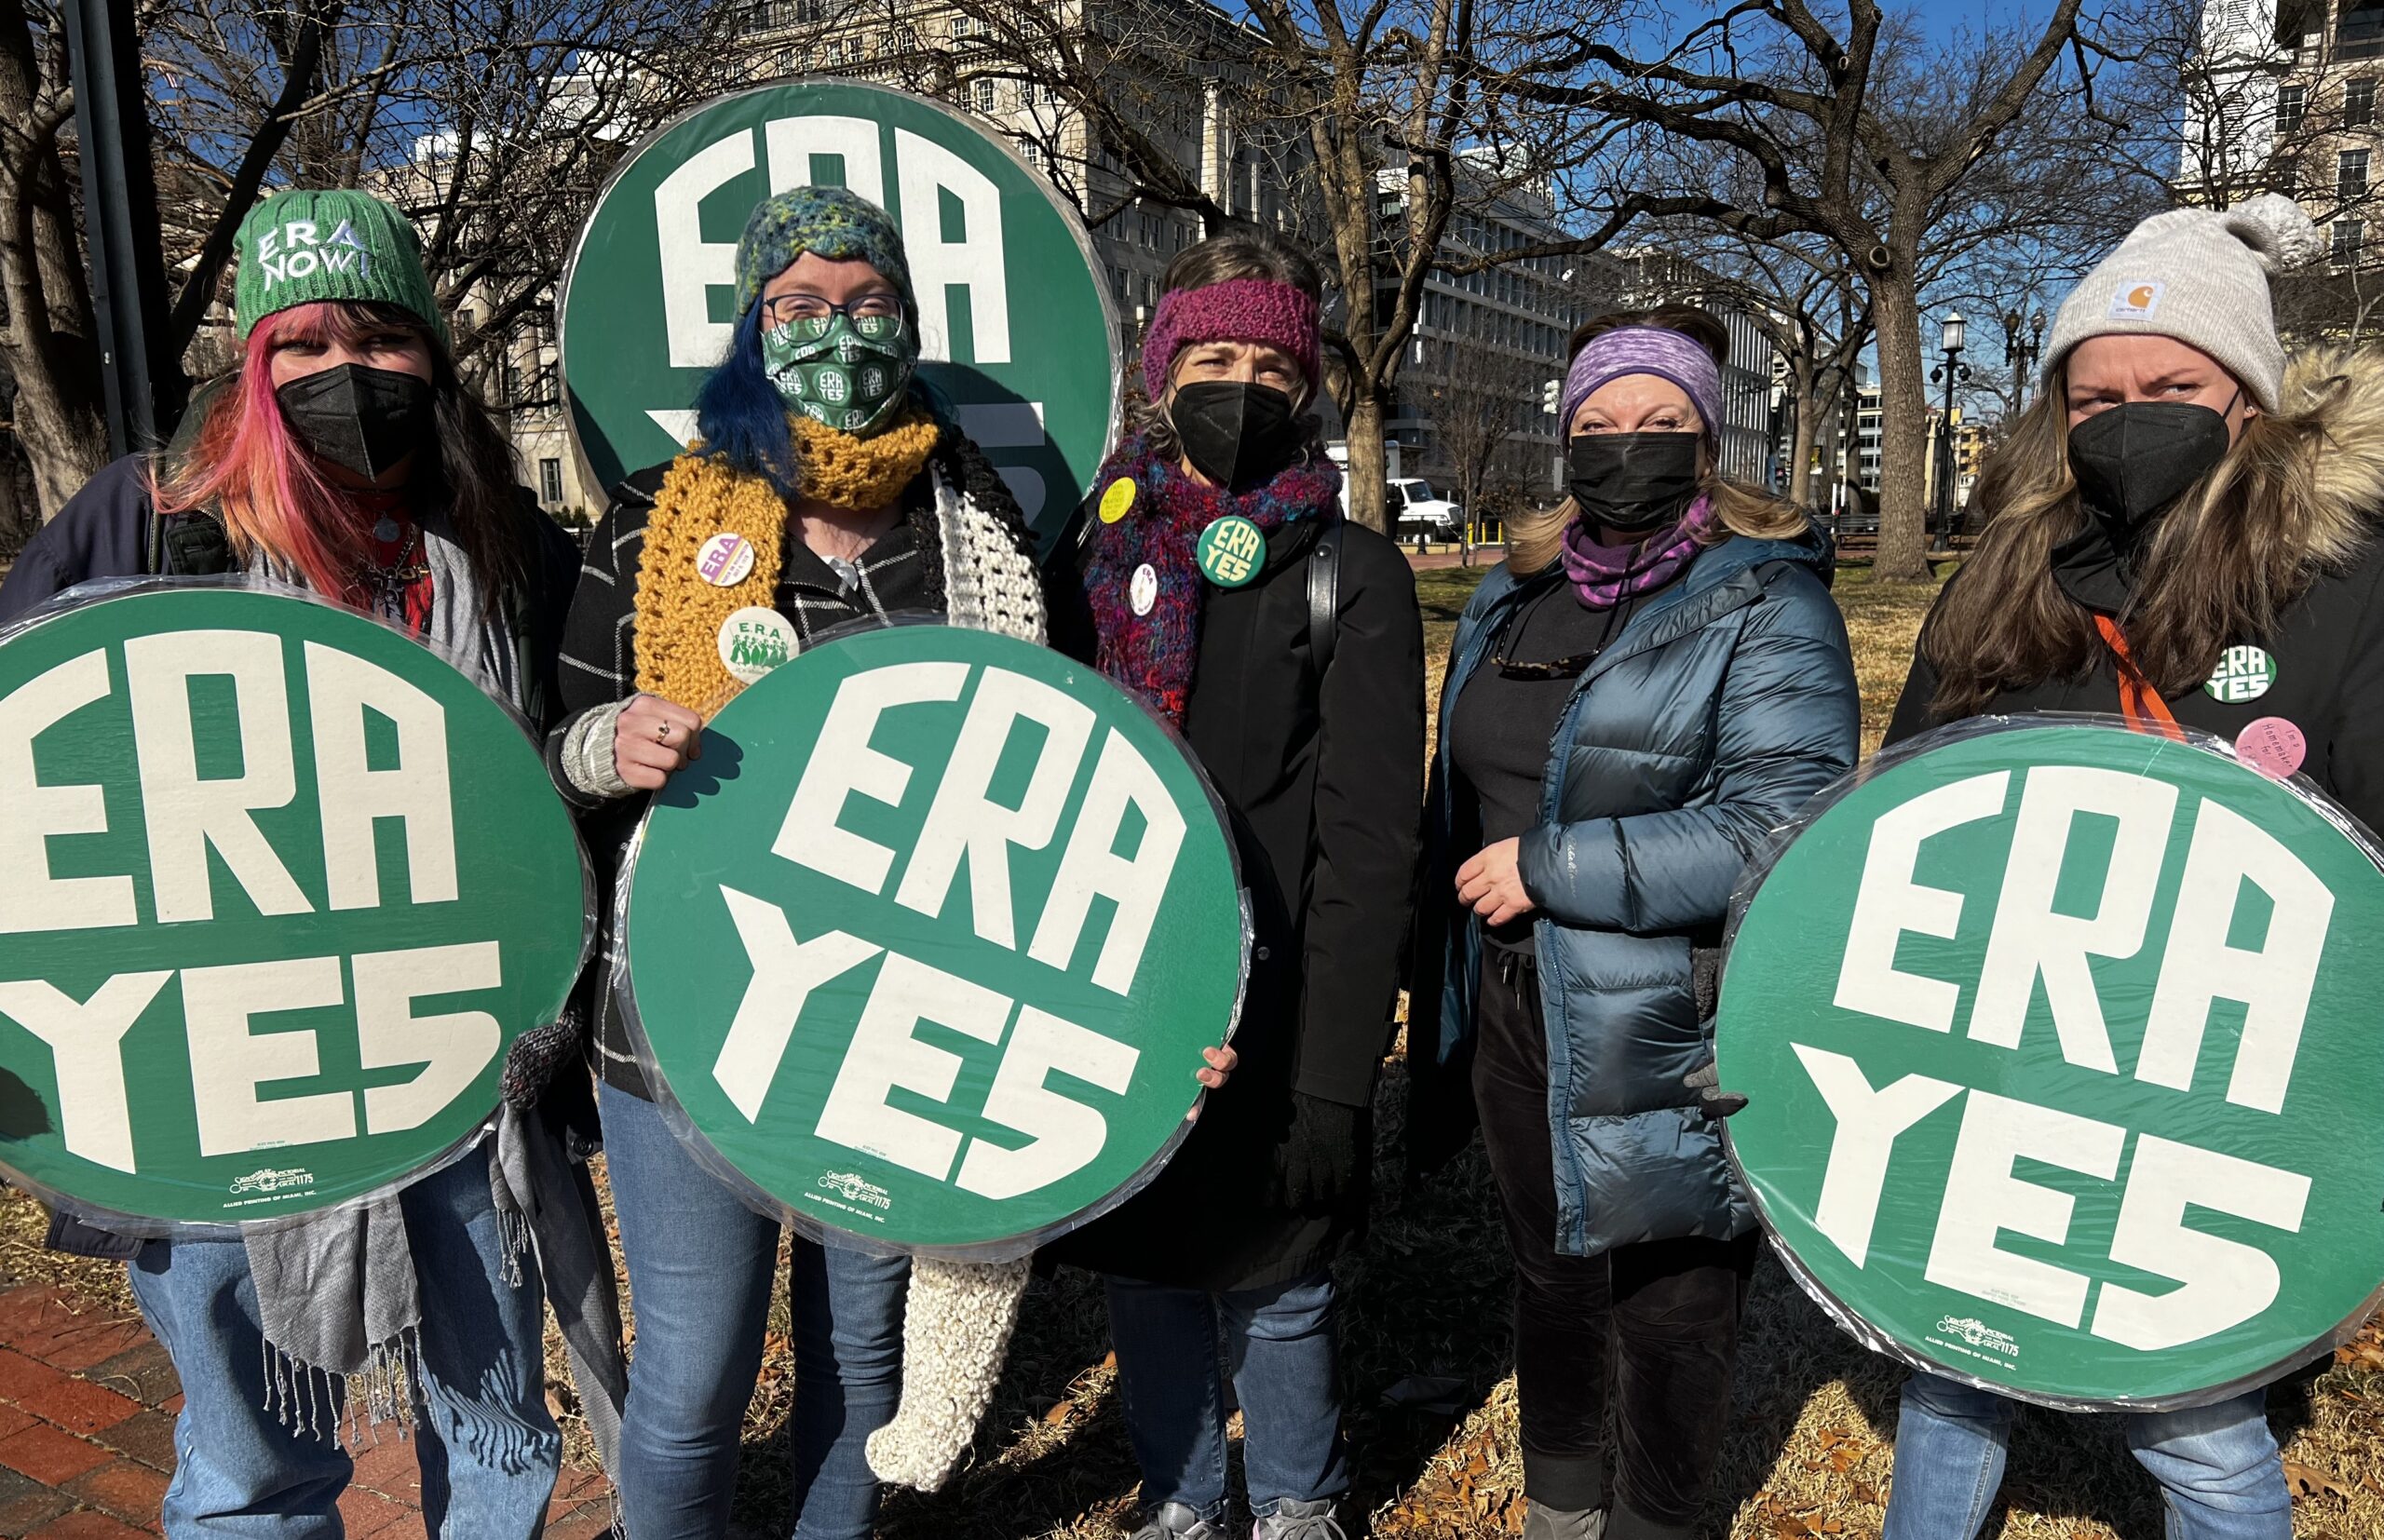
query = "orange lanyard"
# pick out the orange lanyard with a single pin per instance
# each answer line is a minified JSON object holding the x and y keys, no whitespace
{"x":2142,"y":705}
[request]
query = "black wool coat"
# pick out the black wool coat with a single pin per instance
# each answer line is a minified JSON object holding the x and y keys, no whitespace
{"x":2326,"y":655}
{"x":1322,"y":781}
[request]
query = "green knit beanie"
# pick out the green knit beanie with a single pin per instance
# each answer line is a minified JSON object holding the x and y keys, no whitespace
{"x":297,"y":247}
{"x":838,"y":225}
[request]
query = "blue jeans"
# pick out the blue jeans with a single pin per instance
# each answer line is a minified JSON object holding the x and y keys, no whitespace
{"x":2218,"y":1465}
{"x":1279,"y":1347}
{"x":700,"y":1268}
{"x":489,"y":1451}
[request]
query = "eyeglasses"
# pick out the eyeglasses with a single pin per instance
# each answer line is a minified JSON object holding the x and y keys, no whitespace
{"x":811,"y":307}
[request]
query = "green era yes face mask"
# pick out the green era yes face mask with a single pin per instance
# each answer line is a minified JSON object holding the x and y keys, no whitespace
{"x":843,"y":371}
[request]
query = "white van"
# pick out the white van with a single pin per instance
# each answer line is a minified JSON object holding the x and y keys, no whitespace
{"x":1419,"y":513}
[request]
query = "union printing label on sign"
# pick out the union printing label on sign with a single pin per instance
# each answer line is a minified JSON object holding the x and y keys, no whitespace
{"x":2060,"y":1047}
{"x":1015,"y":324}
{"x":927,"y":945}
{"x":264,"y":939}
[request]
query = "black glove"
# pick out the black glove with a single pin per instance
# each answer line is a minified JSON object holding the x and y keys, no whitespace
{"x":1319,"y":1153}
{"x":1706,"y":1081}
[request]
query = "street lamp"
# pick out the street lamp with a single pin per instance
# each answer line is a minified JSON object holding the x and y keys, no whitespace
{"x":1952,"y":371}
{"x":2023,"y":351}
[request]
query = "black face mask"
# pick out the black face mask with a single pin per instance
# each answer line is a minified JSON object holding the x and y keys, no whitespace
{"x":1633,"y":481}
{"x":2133,"y":460}
{"x":363,"y":419}
{"x":1237,"y":435}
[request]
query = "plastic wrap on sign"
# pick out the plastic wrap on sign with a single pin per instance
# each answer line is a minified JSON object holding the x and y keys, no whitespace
{"x":279,"y":888}
{"x":2059,"y":1046}
{"x":923,"y":950}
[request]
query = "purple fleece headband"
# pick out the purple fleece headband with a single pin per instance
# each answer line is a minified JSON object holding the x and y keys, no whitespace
{"x":1656,"y":350}
{"x":1238,"y":310}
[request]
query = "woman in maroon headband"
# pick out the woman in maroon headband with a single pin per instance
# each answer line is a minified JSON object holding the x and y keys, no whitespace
{"x":1213,"y":574}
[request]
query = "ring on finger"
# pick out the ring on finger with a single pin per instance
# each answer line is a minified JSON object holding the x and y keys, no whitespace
{"x":661,"y":732}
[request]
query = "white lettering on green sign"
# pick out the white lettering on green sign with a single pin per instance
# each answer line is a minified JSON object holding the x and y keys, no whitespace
{"x":925,"y":173}
{"x":963,"y":822}
{"x":2223,"y":1282}
{"x":189,"y":816}
{"x":2030,"y":941}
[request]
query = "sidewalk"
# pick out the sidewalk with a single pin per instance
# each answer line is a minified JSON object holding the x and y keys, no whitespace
{"x":86,"y":1437}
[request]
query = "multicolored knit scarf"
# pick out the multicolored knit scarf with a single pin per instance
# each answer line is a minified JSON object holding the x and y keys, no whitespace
{"x":1156,"y":653}
{"x":1604,"y":576}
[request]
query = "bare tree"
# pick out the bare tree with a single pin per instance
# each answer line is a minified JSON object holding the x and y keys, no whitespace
{"x":1479,"y":403}
{"x":1359,"y":133}
{"x":1892,"y":152}
{"x":2263,"y":105}
{"x":491,"y":121}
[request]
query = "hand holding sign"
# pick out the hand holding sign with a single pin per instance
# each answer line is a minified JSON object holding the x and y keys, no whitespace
{"x":2060,"y":1043}
{"x":652,"y":738}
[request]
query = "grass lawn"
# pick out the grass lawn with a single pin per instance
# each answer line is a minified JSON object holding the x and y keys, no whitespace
{"x":1432,"y":1406}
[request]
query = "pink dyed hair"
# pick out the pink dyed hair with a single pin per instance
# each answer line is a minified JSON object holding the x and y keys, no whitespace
{"x":248,"y":468}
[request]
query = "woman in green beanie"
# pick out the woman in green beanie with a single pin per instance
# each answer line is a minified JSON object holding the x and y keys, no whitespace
{"x":344,"y":454}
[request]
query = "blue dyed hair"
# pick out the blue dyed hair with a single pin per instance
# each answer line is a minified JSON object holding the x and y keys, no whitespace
{"x":742,"y":417}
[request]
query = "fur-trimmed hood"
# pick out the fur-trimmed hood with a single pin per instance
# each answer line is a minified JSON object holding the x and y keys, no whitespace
{"x":2339,"y":392}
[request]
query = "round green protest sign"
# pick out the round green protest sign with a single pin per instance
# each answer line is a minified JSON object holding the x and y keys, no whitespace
{"x":278,"y":887}
{"x":925,"y":946}
{"x":1015,"y":324}
{"x":2061,"y":1054}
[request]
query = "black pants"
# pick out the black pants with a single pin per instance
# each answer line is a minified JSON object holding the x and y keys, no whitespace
{"x":1651,"y":1327}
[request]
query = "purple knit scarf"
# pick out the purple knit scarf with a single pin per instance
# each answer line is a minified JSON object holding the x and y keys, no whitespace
{"x":1604,"y":576}
{"x":1155,"y":654}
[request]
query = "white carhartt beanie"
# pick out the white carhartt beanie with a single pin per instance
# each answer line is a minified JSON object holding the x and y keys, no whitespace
{"x":2200,"y":276}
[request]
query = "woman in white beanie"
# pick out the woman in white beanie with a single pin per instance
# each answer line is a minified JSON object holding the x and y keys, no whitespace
{"x":2182,"y":528}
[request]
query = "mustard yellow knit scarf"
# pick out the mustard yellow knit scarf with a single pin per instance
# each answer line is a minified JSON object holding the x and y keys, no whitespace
{"x":679,"y":613}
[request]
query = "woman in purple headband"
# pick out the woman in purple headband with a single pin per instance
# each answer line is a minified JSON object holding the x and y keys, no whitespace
{"x":1654,"y":678}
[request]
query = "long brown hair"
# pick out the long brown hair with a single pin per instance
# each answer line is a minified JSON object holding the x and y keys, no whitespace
{"x":1533,"y":540}
{"x":2240,"y":545}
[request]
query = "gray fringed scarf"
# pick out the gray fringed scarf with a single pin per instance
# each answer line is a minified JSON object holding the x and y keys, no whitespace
{"x":336,"y":1291}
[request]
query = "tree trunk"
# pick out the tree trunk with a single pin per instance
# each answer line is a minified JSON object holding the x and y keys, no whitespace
{"x":1800,"y":438}
{"x":1904,"y":430}
{"x":1367,"y":413}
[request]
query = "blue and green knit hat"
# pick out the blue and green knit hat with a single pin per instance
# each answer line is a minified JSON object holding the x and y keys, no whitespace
{"x":838,"y":224}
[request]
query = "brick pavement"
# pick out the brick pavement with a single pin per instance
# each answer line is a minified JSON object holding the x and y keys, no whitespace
{"x":86,"y":1437}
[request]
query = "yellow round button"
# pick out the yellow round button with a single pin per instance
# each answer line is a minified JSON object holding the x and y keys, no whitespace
{"x":1118,"y":499}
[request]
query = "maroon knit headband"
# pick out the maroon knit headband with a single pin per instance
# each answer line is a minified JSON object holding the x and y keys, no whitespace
{"x":1238,"y":310}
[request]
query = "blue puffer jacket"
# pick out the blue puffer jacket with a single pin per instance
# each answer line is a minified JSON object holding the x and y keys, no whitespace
{"x":1723,"y":705}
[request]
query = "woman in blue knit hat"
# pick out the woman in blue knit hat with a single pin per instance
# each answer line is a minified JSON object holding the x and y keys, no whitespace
{"x":847,"y":499}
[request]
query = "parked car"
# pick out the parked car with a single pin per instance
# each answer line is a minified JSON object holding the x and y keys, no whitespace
{"x":1420,"y":514}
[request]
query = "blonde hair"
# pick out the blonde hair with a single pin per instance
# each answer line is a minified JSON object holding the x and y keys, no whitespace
{"x":1533,"y":540}
{"x":2239,"y":546}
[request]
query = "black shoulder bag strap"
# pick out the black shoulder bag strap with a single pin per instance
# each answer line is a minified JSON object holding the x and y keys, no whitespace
{"x":1324,"y":599}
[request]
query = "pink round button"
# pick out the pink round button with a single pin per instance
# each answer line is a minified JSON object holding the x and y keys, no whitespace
{"x":2273,"y":746}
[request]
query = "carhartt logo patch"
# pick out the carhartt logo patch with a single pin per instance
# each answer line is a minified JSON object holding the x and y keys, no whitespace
{"x":2136,"y":302}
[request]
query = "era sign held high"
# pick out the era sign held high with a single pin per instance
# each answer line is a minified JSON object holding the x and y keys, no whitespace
{"x":261,"y":946}
{"x":2059,"y":1042}
{"x":935,"y":964}
{"x":1015,"y":323}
